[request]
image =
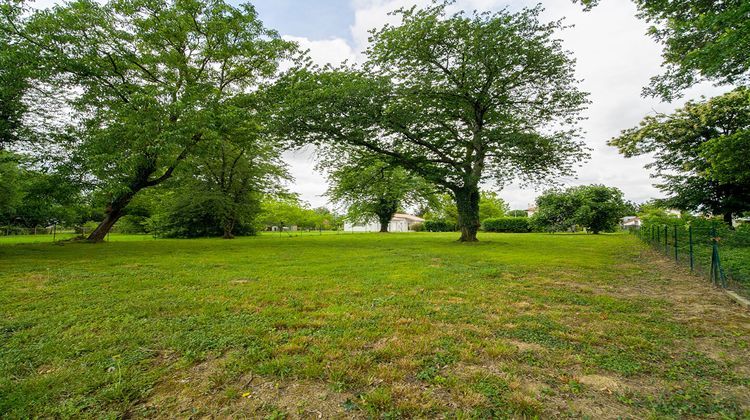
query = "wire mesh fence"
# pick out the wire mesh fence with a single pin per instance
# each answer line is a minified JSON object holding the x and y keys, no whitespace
{"x":708,"y":248}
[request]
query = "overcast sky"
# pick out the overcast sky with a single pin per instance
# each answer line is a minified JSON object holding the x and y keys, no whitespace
{"x":615,"y":59}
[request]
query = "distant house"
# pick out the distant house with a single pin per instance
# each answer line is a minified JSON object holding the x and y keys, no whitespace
{"x":631,"y":222}
{"x":399,"y":223}
{"x":292,"y":228}
{"x":673,"y":212}
{"x":531,"y":211}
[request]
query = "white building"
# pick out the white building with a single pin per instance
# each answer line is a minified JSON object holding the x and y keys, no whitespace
{"x":399,"y":223}
{"x":631,"y":222}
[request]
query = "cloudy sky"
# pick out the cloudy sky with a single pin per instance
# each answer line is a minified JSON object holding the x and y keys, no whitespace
{"x":615,"y":59}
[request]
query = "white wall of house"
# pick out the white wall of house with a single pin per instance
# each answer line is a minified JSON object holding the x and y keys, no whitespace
{"x":399,"y":223}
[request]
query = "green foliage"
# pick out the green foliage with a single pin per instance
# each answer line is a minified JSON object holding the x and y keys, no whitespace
{"x":443,"y":207}
{"x":10,"y":196}
{"x":438,"y":226}
{"x":595,"y":207}
{"x":455,"y":99}
{"x":701,"y":153}
{"x":190,"y":215}
{"x":30,"y":197}
{"x":417,"y":227}
{"x":372,"y":189}
{"x":14,"y":74}
{"x":507,"y":224}
{"x":290,"y":211}
{"x":491,"y":205}
{"x":146,"y":81}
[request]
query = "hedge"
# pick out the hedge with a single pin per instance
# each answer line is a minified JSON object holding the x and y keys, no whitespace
{"x":507,"y":224}
{"x":438,"y":226}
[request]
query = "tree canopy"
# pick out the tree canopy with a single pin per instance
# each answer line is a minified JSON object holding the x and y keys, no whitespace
{"x":596,"y":207}
{"x":455,"y":99}
{"x":146,"y":80}
{"x":701,"y":153}
{"x":14,"y":82}
{"x":371,"y":189}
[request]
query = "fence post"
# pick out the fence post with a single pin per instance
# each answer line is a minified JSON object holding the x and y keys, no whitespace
{"x":675,"y":243}
{"x":666,"y":240}
{"x":717,"y":272}
{"x":690,"y":239}
{"x":658,"y":236}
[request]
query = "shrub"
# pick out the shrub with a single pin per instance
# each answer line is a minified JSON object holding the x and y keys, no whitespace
{"x":439,"y":226}
{"x":131,"y":224}
{"x":507,"y":224}
{"x":417,"y":227}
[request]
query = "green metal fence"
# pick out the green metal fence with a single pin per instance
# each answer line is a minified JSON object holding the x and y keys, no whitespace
{"x":708,"y":248}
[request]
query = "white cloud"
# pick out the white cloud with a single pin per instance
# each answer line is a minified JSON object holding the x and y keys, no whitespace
{"x":326,"y":51}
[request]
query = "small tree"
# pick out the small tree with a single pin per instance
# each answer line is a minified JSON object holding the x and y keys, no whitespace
{"x":455,"y":99}
{"x":370,"y":188}
{"x":232,"y":170}
{"x":601,"y":208}
{"x":555,"y":211}
{"x":491,"y":206}
{"x":595,"y":207}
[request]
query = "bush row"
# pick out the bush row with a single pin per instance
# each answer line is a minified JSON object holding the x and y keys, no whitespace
{"x":501,"y":224}
{"x":507,"y":224}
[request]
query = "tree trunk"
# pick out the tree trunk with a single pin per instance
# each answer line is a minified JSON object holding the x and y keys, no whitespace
{"x":384,"y":220}
{"x":228,"y":229}
{"x":112,"y":214}
{"x":385,"y":210}
{"x":467,"y":203}
{"x":728,"y":219}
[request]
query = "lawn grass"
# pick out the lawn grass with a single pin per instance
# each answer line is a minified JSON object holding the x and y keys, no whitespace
{"x":365,"y":325}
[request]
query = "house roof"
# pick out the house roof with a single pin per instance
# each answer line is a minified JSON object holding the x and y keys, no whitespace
{"x":407,"y":217}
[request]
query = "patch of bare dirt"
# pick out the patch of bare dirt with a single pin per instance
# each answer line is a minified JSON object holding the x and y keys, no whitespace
{"x":197,"y":393}
{"x":601,"y":383}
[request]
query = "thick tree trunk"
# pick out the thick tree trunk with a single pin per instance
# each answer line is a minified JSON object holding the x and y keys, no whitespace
{"x":112,"y":214}
{"x":384,"y":220}
{"x":385,"y":210}
{"x":728,"y":219}
{"x":467,"y":203}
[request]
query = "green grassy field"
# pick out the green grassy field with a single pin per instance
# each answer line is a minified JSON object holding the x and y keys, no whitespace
{"x":365,"y":325}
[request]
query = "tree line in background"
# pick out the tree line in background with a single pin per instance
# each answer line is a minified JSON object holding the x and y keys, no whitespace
{"x":172,"y":116}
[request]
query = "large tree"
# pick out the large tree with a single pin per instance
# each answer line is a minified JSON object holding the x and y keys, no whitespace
{"x":456,"y":99}
{"x":701,"y":153}
{"x":702,"y":40}
{"x":370,"y":188}
{"x":145,"y":78}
